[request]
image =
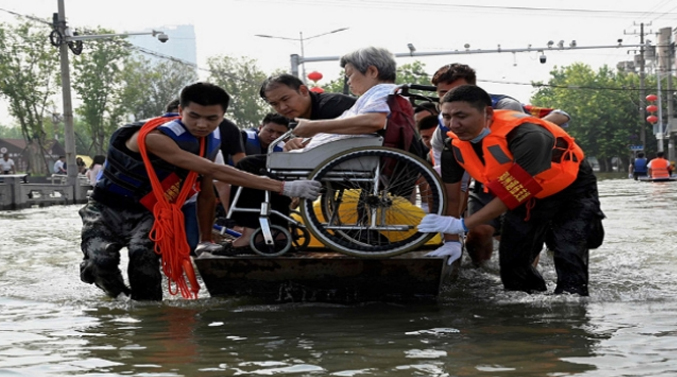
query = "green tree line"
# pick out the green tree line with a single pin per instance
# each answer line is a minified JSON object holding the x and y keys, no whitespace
{"x":114,"y":86}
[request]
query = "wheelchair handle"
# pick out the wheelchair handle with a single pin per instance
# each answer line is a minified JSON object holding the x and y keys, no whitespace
{"x":285,"y":136}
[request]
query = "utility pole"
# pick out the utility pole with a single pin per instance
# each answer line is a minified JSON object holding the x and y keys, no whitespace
{"x":69,"y":132}
{"x":62,"y":38}
{"x":663,"y":54}
{"x":641,"y":59}
{"x":642,"y":91}
{"x":666,"y":45}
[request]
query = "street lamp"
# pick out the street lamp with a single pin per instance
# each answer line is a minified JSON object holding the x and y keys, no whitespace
{"x":63,"y":38}
{"x":300,"y":39}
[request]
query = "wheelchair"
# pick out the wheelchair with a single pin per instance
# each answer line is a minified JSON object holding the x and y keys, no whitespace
{"x":370,"y":204}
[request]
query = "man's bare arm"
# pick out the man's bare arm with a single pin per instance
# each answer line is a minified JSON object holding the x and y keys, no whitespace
{"x":361,"y":124}
{"x":165,"y":148}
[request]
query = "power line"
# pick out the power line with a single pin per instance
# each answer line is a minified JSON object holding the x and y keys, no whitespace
{"x":185,"y":62}
{"x":555,"y":12}
{"x":570,"y":87}
{"x":26,"y":16}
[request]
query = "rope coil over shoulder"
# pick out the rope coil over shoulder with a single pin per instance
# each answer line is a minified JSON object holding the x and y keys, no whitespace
{"x":168,"y":232}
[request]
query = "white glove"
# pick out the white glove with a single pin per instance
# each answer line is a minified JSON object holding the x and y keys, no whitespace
{"x":453,"y":249}
{"x":208,"y":247}
{"x":304,"y":189}
{"x":441,"y":224}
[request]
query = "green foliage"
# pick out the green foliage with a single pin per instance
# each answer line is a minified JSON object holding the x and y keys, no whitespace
{"x":242,"y":80}
{"x":412,"y":73}
{"x":10,"y":132}
{"x":150,"y":86}
{"x":28,"y":67}
{"x":337,"y":85}
{"x":602,"y":104}
{"x":99,"y":84}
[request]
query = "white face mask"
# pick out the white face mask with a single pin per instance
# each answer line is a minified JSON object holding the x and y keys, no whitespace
{"x":485,"y":131}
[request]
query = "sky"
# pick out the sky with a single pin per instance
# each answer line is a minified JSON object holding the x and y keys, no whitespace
{"x":228,"y":27}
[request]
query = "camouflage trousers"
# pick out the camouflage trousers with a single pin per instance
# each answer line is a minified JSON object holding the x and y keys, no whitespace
{"x":105,"y":231}
{"x":570,"y":222}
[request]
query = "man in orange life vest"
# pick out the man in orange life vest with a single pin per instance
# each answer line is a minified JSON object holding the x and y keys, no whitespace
{"x":659,"y":167}
{"x":152,"y":168}
{"x":541,"y":184}
{"x":479,"y":242}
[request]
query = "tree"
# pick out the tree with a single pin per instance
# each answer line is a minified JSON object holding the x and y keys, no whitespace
{"x":150,"y":86}
{"x":98,"y":82}
{"x":10,"y":132}
{"x":602,"y":104}
{"x":338,"y":85}
{"x":242,"y":79}
{"x":28,"y":71}
{"x":412,"y":73}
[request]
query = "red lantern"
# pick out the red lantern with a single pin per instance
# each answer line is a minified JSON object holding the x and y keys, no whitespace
{"x":316,"y":89}
{"x":315,"y":76}
{"x":652,"y":119}
{"x":651,"y":97}
{"x":652,"y":108}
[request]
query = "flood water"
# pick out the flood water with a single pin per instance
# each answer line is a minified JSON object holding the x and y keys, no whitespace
{"x":51,"y":324}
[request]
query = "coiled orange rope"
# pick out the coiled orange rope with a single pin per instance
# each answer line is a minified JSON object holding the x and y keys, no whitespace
{"x":169,"y":232}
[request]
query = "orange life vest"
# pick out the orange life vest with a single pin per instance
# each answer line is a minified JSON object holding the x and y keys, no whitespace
{"x":498,"y":159}
{"x":659,"y":168}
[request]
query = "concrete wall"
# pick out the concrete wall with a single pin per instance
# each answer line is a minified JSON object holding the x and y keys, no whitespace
{"x":15,"y":194}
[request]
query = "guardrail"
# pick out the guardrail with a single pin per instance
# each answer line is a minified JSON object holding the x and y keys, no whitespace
{"x":15,"y":193}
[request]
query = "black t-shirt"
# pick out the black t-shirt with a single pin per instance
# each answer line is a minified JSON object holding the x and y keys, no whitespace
{"x":231,"y":139}
{"x":530,"y":144}
{"x":329,"y":105}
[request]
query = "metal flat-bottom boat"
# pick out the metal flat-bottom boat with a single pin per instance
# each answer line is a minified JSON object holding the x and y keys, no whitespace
{"x":666,"y":179}
{"x":322,"y":276}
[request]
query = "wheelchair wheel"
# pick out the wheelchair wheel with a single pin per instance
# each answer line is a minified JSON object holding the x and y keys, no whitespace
{"x":372,"y":202}
{"x":282,"y":242}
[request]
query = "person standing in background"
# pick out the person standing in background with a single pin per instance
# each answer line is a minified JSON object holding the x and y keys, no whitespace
{"x":7,"y":164}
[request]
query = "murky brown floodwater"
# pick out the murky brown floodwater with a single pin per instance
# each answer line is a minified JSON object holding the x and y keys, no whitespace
{"x":51,"y":324}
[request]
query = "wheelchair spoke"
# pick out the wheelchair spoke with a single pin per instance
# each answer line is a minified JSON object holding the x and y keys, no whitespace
{"x":371,"y":202}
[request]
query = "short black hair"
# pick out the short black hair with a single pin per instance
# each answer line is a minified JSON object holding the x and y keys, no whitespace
{"x":205,"y":94}
{"x":291,"y":81}
{"x":427,"y":106}
{"x":98,"y":159}
{"x":454,"y":71}
{"x":276,"y":118}
{"x":427,"y":123}
{"x":640,"y":154}
{"x":474,"y":95}
{"x":660,"y":154}
{"x":172,"y":106}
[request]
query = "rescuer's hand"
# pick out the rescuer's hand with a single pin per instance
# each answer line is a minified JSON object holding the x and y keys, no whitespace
{"x":304,"y":189}
{"x":452,"y":249}
{"x":441,"y":224}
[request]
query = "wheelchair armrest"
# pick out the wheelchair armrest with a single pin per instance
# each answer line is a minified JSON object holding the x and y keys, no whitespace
{"x":309,"y":160}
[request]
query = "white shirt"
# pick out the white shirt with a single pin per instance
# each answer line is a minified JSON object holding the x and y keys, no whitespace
{"x":58,"y":165}
{"x":93,"y":173}
{"x":373,"y":100}
{"x":6,"y":165}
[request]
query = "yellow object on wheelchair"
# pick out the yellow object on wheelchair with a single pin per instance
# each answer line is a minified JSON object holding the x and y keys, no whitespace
{"x":403,"y":211}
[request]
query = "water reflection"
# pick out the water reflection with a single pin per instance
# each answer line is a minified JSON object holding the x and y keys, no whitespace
{"x":51,"y":324}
